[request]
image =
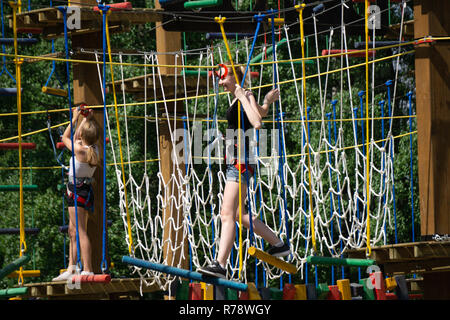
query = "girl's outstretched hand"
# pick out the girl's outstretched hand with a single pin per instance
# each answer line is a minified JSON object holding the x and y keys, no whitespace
{"x":272,"y":96}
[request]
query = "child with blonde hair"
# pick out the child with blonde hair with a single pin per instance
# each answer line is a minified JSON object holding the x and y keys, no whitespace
{"x":85,"y":161}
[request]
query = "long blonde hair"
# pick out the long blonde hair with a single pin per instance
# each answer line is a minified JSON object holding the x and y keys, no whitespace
{"x":90,"y":134}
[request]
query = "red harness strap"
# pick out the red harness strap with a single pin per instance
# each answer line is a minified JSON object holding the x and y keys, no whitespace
{"x":80,"y":199}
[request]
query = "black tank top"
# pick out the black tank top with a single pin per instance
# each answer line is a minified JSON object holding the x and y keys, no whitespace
{"x":232,"y":118}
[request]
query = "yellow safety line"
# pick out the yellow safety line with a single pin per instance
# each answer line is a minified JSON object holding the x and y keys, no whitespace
{"x":18,"y":62}
{"x":221,"y":120}
{"x":130,"y":246}
{"x":276,"y":262}
{"x":366,"y":27}
{"x":221,"y":21}
{"x":221,"y":93}
{"x":300,"y":8}
{"x":217,"y":158}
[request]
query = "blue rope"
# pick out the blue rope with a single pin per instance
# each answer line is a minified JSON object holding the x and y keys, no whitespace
{"x":104,"y":9}
{"x":63,"y":10}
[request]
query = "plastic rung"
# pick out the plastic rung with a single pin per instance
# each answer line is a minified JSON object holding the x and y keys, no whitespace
{"x":220,"y":293}
{"x":379,"y":284}
{"x":96,"y":278}
{"x":8,"y":91}
{"x":25,"y":273}
{"x":202,"y":4}
{"x":184,"y":273}
{"x":334,"y":293}
{"x":356,"y":289}
{"x":322,"y":291}
{"x":182,"y":290}
{"x":311,"y":291}
{"x":117,"y":6}
{"x":207,"y":290}
{"x":362,"y":45}
{"x":276,"y":294}
{"x":391,"y":296}
{"x":10,"y":41}
{"x":340,"y":261}
{"x":30,"y":30}
{"x":280,"y":264}
{"x":55,"y":91}
{"x":344,"y":288}
{"x":369,"y":293}
{"x":277,"y":21}
{"x":16,"y":264}
{"x":390,"y":283}
{"x":264,"y":293}
{"x":11,"y":292}
{"x":253,"y":293}
{"x":231,"y":294}
{"x":300,"y":292}
{"x":401,"y":289}
{"x":195,"y":291}
{"x":289,"y":291}
{"x":10,"y":231}
{"x":244,"y":295}
{"x":15,"y":145}
{"x":31,"y":187}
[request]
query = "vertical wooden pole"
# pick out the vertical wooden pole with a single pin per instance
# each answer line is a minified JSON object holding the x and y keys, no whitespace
{"x":432,"y":66}
{"x":173,"y":218}
{"x":86,"y":89}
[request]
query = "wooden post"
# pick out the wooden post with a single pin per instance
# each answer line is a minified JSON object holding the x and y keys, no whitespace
{"x":172,"y":218}
{"x":433,"y":116}
{"x":86,"y":89}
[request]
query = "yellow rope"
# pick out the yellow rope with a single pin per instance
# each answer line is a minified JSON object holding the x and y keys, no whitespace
{"x":221,"y":93}
{"x":217,"y":158}
{"x":300,"y":8}
{"x":18,"y":62}
{"x":221,"y":21}
{"x":130,"y":246}
{"x":366,"y":27}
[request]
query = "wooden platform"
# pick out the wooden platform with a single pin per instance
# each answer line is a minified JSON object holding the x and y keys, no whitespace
{"x":50,"y":20}
{"x":412,"y":257}
{"x":136,"y":86}
{"x":122,"y":288}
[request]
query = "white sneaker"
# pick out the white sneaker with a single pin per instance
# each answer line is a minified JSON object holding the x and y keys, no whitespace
{"x":63,"y":276}
{"x":86,"y":273}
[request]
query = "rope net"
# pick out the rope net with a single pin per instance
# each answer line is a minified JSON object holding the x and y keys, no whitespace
{"x":179,"y":225}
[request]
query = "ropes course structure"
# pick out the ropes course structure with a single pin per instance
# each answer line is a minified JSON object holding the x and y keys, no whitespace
{"x":324,"y":159}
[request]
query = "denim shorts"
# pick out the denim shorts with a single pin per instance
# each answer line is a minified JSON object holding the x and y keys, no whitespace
{"x":232,"y":173}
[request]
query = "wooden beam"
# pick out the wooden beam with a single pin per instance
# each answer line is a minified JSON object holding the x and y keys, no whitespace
{"x":432,"y":66}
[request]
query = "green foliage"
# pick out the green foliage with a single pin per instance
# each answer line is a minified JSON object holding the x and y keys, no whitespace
{"x":44,"y":208}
